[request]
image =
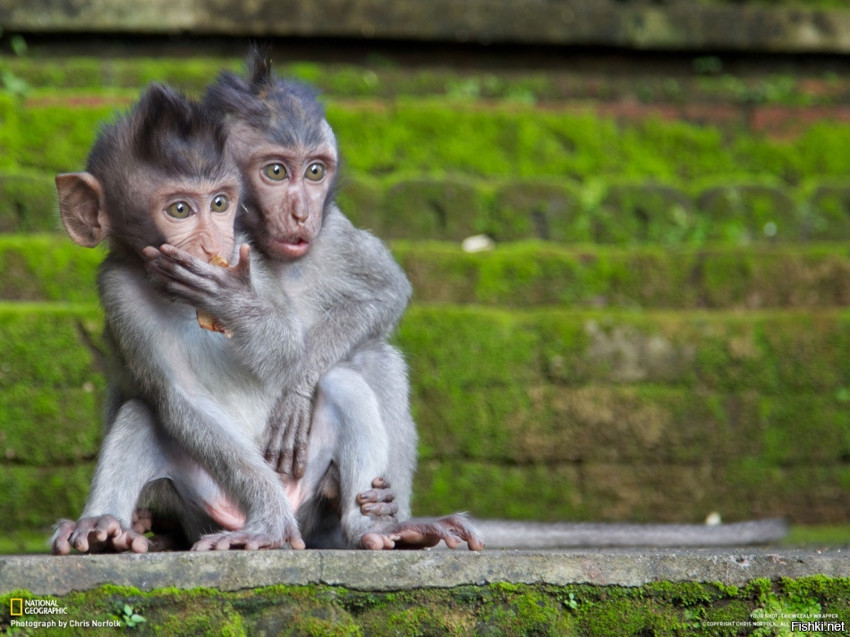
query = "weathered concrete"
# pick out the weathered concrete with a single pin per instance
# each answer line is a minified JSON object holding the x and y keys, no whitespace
{"x":679,"y":25}
{"x":48,"y":575}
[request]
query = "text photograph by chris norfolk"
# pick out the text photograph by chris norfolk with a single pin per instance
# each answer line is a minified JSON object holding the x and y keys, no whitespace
{"x":28,"y":615}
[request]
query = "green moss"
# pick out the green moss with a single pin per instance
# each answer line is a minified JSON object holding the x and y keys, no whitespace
{"x":494,"y":609}
{"x":823,"y":535}
{"x":9,"y":130}
{"x":446,"y":209}
{"x":28,"y":203}
{"x":633,"y":399}
{"x":535,"y":209}
{"x":41,"y":267}
{"x":52,"y":131}
{"x":35,"y":497}
{"x":522,"y":274}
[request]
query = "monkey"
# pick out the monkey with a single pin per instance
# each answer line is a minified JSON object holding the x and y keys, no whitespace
{"x":288,"y":154}
{"x":146,"y":176}
{"x":185,"y":405}
{"x":346,"y":416}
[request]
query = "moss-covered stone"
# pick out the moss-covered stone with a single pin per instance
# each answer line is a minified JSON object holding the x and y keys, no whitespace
{"x":445,"y":209}
{"x":489,"y":609}
{"x":741,"y":214}
{"x":829,"y":213}
{"x":28,"y":203}
{"x":645,"y":213}
{"x":536,"y":210}
{"x":442,"y":137}
{"x":36,"y":497}
{"x":47,"y":268}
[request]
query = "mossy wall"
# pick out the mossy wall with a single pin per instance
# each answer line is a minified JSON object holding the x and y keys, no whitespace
{"x":661,"y":331}
{"x":760,"y":608}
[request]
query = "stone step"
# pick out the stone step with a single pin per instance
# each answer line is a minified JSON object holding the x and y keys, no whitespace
{"x":49,"y":267}
{"x":722,"y":89}
{"x":604,"y":212}
{"x":539,"y":413}
{"x":596,"y":593}
{"x":605,"y":23}
{"x":410,"y":570}
{"x":409,"y":138}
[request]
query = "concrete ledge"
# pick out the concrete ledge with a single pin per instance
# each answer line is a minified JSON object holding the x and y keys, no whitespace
{"x":572,"y":22}
{"x":48,"y":575}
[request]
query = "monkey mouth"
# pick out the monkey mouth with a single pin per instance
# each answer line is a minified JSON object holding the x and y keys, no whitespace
{"x":290,"y":247}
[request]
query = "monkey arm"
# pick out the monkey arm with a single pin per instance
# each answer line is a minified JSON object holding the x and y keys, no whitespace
{"x":361,"y":298}
{"x":267,"y":334}
{"x":193,"y":395}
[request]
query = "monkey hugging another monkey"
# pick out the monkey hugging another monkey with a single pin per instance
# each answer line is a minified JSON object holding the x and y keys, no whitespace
{"x":291,"y":428}
{"x":287,"y":421}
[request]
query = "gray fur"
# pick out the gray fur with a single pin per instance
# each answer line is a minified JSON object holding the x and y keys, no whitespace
{"x":185,"y":405}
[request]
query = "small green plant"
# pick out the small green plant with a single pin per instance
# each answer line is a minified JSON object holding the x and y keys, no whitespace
{"x":8,"y":80}
{"x":130,"y":617}
{"x":571,"y":602}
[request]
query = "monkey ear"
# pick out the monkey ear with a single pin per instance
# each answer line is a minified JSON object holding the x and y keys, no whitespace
{"x":81,"y":208}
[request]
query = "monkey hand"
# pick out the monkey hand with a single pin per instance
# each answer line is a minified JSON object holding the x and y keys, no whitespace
{"x":103,"y":534}
{"x":179,"y":276}
{"x":287,"y":431}
{"x":424,"y":533}
{"x":379,"y":501}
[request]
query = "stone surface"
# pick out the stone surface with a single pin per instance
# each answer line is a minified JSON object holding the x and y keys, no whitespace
{"x":48,"y":575}
{"x":574,"y":22}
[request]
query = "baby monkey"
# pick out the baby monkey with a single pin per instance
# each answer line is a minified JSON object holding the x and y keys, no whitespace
{"x":186,"y":407}
{"x":345,"y":416}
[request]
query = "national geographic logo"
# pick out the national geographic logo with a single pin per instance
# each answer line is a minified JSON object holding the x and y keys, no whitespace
{"x":19,"y":606}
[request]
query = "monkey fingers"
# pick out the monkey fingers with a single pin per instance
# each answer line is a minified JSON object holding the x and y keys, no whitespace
{"x":60,"y":544}
{"x":378,"y":501}
{"x":184,"y":277}
{"x":287,"y":450}
{"x":142,"y":521}
{"x":103,"y":534}
{"x":179,"y":278}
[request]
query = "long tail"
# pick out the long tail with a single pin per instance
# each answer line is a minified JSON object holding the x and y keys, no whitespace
{"x":532,"y":535}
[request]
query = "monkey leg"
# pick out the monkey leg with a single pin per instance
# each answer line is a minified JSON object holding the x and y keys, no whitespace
{"x":129,"y":458}
{"x":362,"y":427}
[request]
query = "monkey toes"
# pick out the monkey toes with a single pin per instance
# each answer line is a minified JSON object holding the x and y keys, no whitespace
{"x":245,"y":540}
{"x":102,"y":534}
{"x":422,"y":534}
{"x":378,"y":501}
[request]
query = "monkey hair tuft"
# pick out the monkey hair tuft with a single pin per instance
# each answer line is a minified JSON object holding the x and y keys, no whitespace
{"x":164,"y":133}
{"x":288,"y":110}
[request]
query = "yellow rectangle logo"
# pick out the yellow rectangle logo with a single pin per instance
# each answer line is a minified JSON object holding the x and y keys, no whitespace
{"x":16,"y":606}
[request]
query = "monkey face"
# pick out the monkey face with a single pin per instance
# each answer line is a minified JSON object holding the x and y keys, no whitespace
{"x":289,"y":187}
{"x":197,"y":216}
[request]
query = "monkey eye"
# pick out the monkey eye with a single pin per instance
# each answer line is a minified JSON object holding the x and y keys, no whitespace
{"x":220,"y":203}
{"x":315,"y":171}
{"x":275,"y":172}
{"x":179,"y":210}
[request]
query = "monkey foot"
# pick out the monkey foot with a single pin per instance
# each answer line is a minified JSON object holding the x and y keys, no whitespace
{"x":245,"y":540}
{"x":379,"y":501}
{"x":424,"y":533}
{"x":103,"y":534}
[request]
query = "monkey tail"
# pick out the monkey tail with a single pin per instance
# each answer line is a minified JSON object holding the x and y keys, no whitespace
{"x":515,"y":534}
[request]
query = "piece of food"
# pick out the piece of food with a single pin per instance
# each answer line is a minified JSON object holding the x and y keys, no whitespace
{"x":208,"y":321}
